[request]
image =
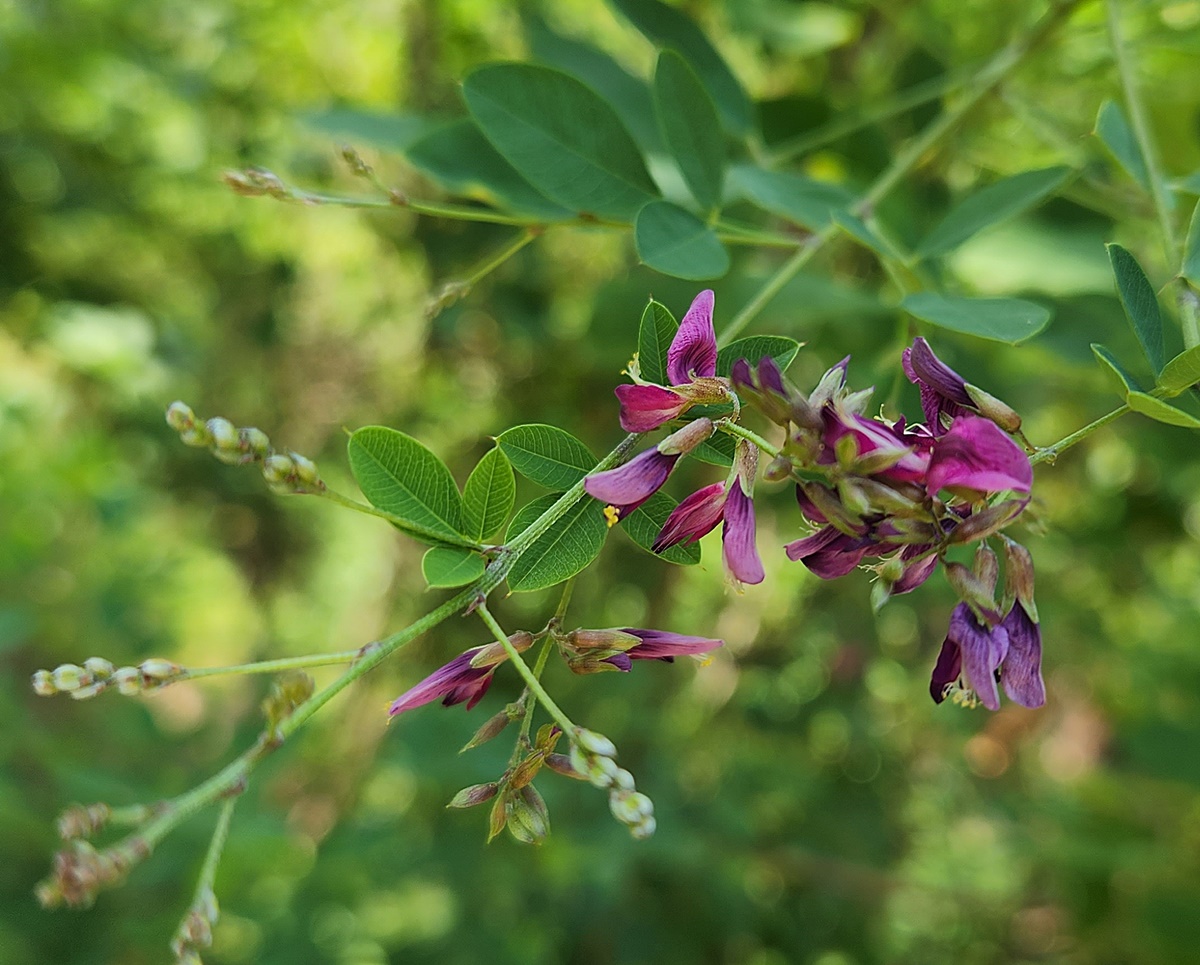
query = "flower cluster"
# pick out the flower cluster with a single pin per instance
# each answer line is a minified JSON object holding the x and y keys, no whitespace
{"x":871,"y":489}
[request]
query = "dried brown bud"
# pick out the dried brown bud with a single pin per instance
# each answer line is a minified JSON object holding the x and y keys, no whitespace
{"x":474,"y":795}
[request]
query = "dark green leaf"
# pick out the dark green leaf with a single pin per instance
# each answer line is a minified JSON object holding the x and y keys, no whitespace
{"x":655,"y":334}
{"x":445,"y":566}
{"x":1160,"y":411}
{"x":563,"y":550}
{"x":783,"y":350}
{"x":865,"y":235}
{"x":489,"y":495}
{"x":1008,"y":320}
{"x":391,"y":132}
{"x":1191,"y":250}
{"x":674,"y":30}
{"x":1181,"y":372}
{"x":1140,"y":303}
{"x":547,"y":455}
{"x":991,"y":205}
{"x":629,"y":95}
{"x":459,"y":157}
{"x":1119,"y":379}
{"x":675,"y":242}
{"x":802,"y":200}
{"x":399,"y":475}
{"x":644,"y":524}
{"x":1115,"y":133}
{"x":561,"y":136}
{"x":717,"y":451}
{"x":690,"y":127}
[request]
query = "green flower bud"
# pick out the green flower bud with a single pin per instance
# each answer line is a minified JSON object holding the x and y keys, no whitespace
{"x":98,"y":667}
{"x":69,"y":677}
{"x":224,"y":433}
{"x":471,"y":796}
{"x":128,"y":681}
{"x":595,"y":743}
{"x":180,"y":416}
{"x":644,"y":828}
{"x":43,"y":684}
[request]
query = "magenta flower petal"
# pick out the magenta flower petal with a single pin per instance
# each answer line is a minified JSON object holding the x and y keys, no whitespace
{"x":695,"y":517}
{"x":632,"y":484}
{"x":737,"y":536}
{"x":1021,"y":674}
{"x":942,"y":389}
{"x":983,"y":650}
{"x":646,"y":407}
{"x":829,"y":553}
{"x":915,"y":573}
{"x":693,"y":351}
{"x":661,"y":645}
{"x":452,"y":684}
{"x":872,"y":437}
{"x":946,"y":671}
{"x":977,"y":454}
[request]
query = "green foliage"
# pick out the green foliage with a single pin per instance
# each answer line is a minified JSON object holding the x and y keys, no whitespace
{"x":449,"y":566}
{"x":546,"y":455}
{"x":560,"y":552}
{"x":1191,"y":250}
{"x":489,"y":495}
{"x":1181,"y":372}
{"x":655,"y":332}
{"x":1114,"y":132}
{"x":690,"y":128}
{"x":672,"y":240}
{"x":782,"y":349}
{"x":810,"y":204}
{"x":1009,"y":320}
{"x":1140,"y":304}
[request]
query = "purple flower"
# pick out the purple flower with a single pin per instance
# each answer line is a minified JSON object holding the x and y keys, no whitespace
{"x":742,"y":564}
{"x":899,"y":458}
{"x":942,"y":389}
{"x":976,"y":454}
{"x":630,"y":485}
{"x":916,"y":573}
{"x":828,"y":552}
{"x":695,"y":517}
{"x":592,"y":651}
{"x":1022,"y":670}
{"x":693,"y":351}
{"x":645,"y":407}
{"x":665,"y":646}
{"x":465,"y":678}
{"x":971,"y":654}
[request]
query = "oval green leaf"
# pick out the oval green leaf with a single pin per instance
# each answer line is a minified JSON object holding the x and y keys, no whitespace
{"x":644,"y":524}
{"x":392,"y":132}
{"x":675,"y":242}
{"x":489,"y":495}
{"x":668,"y":27}
{"x":1140,"y":304}
{"x":808,"y":203}
{"x":547,"y":455}
{"x":655,"y":334}
{"x":563,"y":550}
{"x":1115,"y":134}
{"x":1160,"y":411}
{"x":561,"y":136}
{"x":1008,"y":320}
{"x":782,"y":349}
{"x":991,"y":205}
{"x":1119,"y":379}
{"x":447,"y":566}
{"x":459,"y":158}
{"x":399,"y":475}
{"x":1181,"y":372}
{"x":690,"y":127}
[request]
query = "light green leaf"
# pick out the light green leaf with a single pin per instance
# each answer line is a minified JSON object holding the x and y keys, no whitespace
{"x":675,"y":242}
{"x":391,"y":132}
{"x":561,"y":136}
{"x":629,"y":95}
{"x":644,"y":524}
{"x":810,"y":204}
{"x":782,"y":349}
{"x":991,"y":205}
{"x":1119,"y":379}
{"x":1008,"y":320}
{"x":563,"y":550}
{"x":1115,"y":133}
{"x":865,"y":235}
{"x":655,"y":334}
{"x":717,"y":451}
{"x":1181,"y":372}
{"x":1160,"y":411}
{"x":1191,"y":250}
{"x":690,"y":128}
{"x":446,"y":566}
{"x":399,"y":475}
{"x":1140,"y":303}
{"x":547,"y":455}
{"x":674,"y":30}
{"x":489,"y":495}
{"x":459,"y":157}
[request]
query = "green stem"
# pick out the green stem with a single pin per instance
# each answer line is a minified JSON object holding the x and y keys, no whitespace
{"x":527,"y":719}
{"x":407,"y":526}
{"x":563,"y":602}
{"x":741,"y":432}
{"x":275,"y":666}
{"x":531,"y":681}
{"x":1051,"y":453}
{"x":989,"y":76}
{"x":501,"y":255}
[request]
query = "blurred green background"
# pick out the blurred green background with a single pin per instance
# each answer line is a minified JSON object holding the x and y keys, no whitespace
{"x":814,"y":806}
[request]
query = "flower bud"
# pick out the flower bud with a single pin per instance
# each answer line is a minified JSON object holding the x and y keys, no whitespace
{"x":984,"y":523}
{"x":99,"y":667}
{"x":43,"y":684}
{"x":992,"y":408}
{"x":278,"y":470}
{"x":254,"y":441}
{"x":644,"y":828}
{"x":684,"y":440}
{"x":491,"y":728}
{"x":630,"y":807}
{"x":224,"y":433}
{"x":471,"y":796}
{"x":600,"y":771}
{"x":595,"y":743}
{"x":622,"y":780}
{"x":128,"y":681}
{"x":778,"y":469}
{"x":561,"y":764}
{"x":69,"y":677}
{"x":306,"y":470}
{"x":180,"y":416}
{"x":158,"y":670}
{"x":80,"y":821}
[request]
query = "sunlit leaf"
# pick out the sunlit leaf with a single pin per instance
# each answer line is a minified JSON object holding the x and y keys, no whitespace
{"x":1119,"y":379}
{"x":489,"y":495}
{"x":1181,"y":372}
{"x":1140,"y":303}
{"x":690,"y":127}
{"x":655,"y":333}
{"x":1161,"y":411}
{"x":782,"y":349}
{"x":674,"y":241}
{"x":561,"y":136}
{"x":547,"y":455}
{"x":563,"y":550}
{"x":446,"y":566}
{"x":1009,"y":320}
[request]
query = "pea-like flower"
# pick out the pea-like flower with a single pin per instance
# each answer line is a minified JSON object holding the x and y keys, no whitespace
{"x":627,"y":487}
{"x":465,"y":678}
{"x":591,"y":651}
{"x":945,"y":394}
{"x":976,"y":455}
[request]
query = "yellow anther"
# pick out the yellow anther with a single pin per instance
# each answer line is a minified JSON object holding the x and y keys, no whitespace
{"x":613,"y":515}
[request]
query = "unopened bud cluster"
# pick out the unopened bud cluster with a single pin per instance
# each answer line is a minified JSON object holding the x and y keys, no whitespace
{"x":195,"y":931}
{"x":81,"y":871}
{"x":286,"y":472}
{"x":593,"y":758}
{"x":98,"y":674}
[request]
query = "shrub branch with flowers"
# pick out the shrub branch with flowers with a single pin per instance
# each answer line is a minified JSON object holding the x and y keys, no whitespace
{"x":875,"y":490}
